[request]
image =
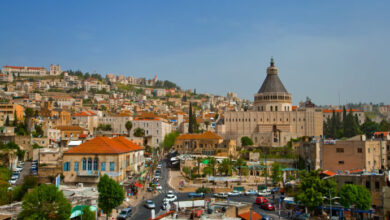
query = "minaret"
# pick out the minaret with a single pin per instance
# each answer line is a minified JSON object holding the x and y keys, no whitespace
{"x":272,"y":95}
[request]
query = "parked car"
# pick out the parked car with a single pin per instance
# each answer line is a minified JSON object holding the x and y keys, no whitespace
{"x":149,"y":204}
{"x":195,"y":194}
{"x":34,"y":172}
{"x":235,"y":193}
{"x":170,"y":198}
{"x":125,"y":213}
{"x":149,"y":189}
{"x":251,"y":192}
{"x":12,"y":182}
{"x":164,"y":205}
{"x":221,"y":195}
{"x":158,"y":186}
{"x":14,"y":177}
{"x":275,"y":190}
{"x":18,"y":168}
{"x":264,"y":193}
{"x":21,"y":163}
{"x":159,"y":166}
{"x":261,"y":199}
{"x":267,"y":206}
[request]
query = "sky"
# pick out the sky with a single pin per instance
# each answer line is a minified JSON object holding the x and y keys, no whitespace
{"x":332,"y":51}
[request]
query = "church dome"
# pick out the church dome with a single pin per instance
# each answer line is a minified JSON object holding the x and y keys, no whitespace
{"x":272,"y":83}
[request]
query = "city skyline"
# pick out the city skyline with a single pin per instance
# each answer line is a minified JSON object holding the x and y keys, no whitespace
{"x":214,"y":48}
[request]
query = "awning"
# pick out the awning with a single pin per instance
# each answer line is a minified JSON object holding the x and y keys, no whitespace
{"x":77,"y":210}
{"x":206,"y":161}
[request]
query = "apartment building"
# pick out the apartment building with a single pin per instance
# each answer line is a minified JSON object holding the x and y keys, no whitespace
{"x":155,"y":128}
{"x":10,"y":111}
{"x":117,"y":122}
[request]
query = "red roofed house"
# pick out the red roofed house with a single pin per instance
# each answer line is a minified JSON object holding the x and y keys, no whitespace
{"x":208,"y":143}
{"x":117,"y":157}
{"x":86,"y":119}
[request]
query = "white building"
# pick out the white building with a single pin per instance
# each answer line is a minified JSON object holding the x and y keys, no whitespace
{"x":155,"y":129}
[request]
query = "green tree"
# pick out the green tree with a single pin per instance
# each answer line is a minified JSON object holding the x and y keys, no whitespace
{"x":246,"y":141}
{"x":363,"y":200}
{"x":355,"y":195}
{"x":348,"y":193}
{"x":212,"y":164}
{"x":199,"y":160}
{"x":190,"y":120}
{"x":225,"y":167}
{"x":6,"y":121}
{"x":384,"y":125}
{"x":29,"y":112}
{"x":369,"y":127}
{"x":207,"y":123}
{"x":169,"y":140}
{"x":128,"y":126}
{"x":111,"y":194}
{"x":87,"y":214}
{"x":139,"y":132}
{"x":241,"y":165}
{"x":45,"y":202}
{"x":187,"y":171}
{"x":277,"y":173}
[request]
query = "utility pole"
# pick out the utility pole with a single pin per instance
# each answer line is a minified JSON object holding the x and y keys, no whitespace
{"x":266,"y":172}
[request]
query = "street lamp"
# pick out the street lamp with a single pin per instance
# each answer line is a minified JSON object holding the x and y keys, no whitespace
{"x":330,"y":202}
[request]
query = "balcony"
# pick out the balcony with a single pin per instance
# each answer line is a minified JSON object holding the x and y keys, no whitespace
{"x":88,"y":173}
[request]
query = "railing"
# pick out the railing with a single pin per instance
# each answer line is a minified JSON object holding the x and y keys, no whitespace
{"x":90,"y":173}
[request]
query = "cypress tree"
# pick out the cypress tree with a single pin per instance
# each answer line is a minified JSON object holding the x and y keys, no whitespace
{"x":190,"y":126}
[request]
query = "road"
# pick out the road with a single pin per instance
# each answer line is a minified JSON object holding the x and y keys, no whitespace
{"x":141,"y":212}
{"x":26,"y":171}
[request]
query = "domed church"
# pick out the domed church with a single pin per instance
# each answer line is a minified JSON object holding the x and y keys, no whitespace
{"x":272,"y":122}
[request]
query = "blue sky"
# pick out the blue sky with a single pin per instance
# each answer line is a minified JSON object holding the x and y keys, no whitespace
{"x":322,"y":48}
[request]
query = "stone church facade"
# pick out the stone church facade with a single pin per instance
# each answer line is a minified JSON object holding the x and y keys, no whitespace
{"x":272,"y":121}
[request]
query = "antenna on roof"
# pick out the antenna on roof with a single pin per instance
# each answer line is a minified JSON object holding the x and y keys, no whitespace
{"x":272,"y":61}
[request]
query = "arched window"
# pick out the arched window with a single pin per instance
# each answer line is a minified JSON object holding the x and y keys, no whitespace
{"x":276,"y":108}
{"x":271,"y":108}
{"x":89,"y":164}
{"x":84,"y":164}
{"x":95,"y":164}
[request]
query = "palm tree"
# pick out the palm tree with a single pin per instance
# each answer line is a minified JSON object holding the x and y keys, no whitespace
{"x":225,"y":167}
{"x":212,"y":164}
{"x":129,"y":126}
{"x":207,"y":123}
{"x":240,"y":163}
{"x":199,"y":160}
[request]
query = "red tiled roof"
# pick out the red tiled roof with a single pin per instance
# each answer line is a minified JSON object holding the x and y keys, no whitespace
{"x":127,"y":142}
{"x":85,"y":113}
{"x":22,"y":67}
{"x":338,"y":110}
{"x":246,"y":216}
{"x":385,"y":133}
{"x":104,"y":145}
{"x":206,"y":135}
{"x":69,"y":128}
{"x":328,"y":173}
{"x":83,"y":135}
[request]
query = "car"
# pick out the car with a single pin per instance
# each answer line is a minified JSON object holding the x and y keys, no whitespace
{"x":221,"y":195}
{"x":149,"y":189}
{"x":34,"y":172}
{"x":195,"y":194}
{"x":251,"y":192}
{"x":14,"y":177}
{"x":170,"y":192}
{"x":18,"y":169}
{"x":158,"y":172}
{"x":164,"y":205}
{"x":159,"y":166}
{"x":170,"y":198}
{"x":150,"y":204}
{"x":275,"y":190}
{"x":125,"y":213}
{"x":12,"y":182}
{"x":21,"y":163}
{"x":261,"y":199}
{"x":264,"y":193}
{"x":158,"y":186}
{"x":16,"y":172}
{"x":267,"y":206}
{"x":234,"y":193}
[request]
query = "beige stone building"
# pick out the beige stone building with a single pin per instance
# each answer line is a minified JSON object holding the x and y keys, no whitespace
{"x":117,"y":122}
{"x":117,"y":157}
{"x":273,"y":121}
{"x":208,"y":143}
{"x":327,"y":114}
{"x":349,"y":155}
{"x":155,"y":128}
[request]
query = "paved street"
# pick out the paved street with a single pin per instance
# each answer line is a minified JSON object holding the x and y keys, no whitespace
{"x":26,"y":171}
{"x":141,"y":212}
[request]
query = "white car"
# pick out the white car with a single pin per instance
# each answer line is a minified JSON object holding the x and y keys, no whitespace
{"x":159,"y":166}
{"x":234,"y":193}
{"x":150,"y":204}
{"x":251,"y":192}
{"x":170,"y":198}
{"x":18,"y":168}
{"x":264,"y":193}
{"x":159,"y":187}
{"x":12,"y":182}
{"x":221,"y":195}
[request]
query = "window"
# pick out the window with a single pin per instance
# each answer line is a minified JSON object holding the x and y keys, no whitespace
{"x":368,"y":150}
{"x":377,"y":185}
{"x":201,"y":145}
{"x":368,"y":185}
{"x":84,"y":164}
{"x":112,"y":166}
{"x":276,"y":108}
{"x":339,"y":150}
{"x":76,"y":166}
{"x":341,"y":162}
{"x":360,"y":150}
{"x":103,"y":166}
{"x":95,"y":164}
{"x":66,"y":166}
{"x":89,"y":164}
{"x":271,"y":108}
